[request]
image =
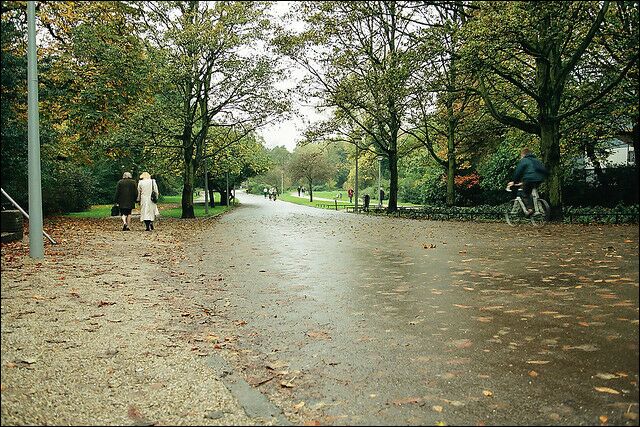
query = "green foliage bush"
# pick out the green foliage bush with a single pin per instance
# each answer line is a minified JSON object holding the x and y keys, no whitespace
{"x":622,"y":188}
{"x":256,"y":187}
{"x":410,"y":191}
{"x":67,"y":187}
{"x":621,"y":214}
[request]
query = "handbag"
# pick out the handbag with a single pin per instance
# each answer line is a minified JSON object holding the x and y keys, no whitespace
{"x":115,"y":210}
{"x":154,"y":195}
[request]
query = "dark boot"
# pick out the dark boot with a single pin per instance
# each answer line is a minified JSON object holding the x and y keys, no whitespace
{"x":147,"y":224}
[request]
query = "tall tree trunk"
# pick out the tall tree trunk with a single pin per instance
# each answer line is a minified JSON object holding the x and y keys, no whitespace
{"x":550,"y":147}
{"x":310,"y":190}
{"x":451,"y":160}
{"x":212,"y":192}
{"x":223,"y":197}
{"x":187,"y":190}
{"x":393,"y":182}
{"x":636,"y":147}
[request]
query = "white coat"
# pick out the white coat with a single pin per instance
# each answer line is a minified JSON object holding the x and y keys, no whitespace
{"x":148,"y":209}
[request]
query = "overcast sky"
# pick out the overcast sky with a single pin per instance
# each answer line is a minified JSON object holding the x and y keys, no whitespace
{"x":289,"y":132}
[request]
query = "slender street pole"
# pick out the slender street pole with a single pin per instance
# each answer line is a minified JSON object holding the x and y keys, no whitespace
{"x":282,"y":185}
{"x":379,"y":181}
{"x":36,"y":243}
{"x":356,"y":185}
{"x":206,"y":188}
{"x":227,"y":188}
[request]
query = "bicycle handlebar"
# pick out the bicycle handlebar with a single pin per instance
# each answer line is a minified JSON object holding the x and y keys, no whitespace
{"x":514,"y":185}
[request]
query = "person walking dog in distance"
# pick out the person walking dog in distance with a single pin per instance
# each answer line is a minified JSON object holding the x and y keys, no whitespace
{"x":148,"y":208}
{"x":126,"y":194}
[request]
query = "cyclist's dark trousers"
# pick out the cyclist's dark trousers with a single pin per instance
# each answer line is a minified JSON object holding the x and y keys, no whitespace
{"x":527,"y":188}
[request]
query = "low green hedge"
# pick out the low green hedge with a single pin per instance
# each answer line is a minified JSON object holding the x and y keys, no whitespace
{"x":620,"y":214}
{"x":571,"y":215}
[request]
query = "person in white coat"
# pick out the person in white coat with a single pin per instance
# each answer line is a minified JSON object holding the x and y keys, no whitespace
{"x":148,"y":209}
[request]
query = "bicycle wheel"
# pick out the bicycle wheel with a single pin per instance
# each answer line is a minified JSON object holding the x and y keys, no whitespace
{"x":541,"y":216}
{"x":513,"y":213}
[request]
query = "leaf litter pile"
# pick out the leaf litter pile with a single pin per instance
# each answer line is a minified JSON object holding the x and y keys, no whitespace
{"x":97,"y":332}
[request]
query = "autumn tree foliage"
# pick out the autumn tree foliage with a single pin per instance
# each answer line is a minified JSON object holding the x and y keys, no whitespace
{"x":309,"y":163}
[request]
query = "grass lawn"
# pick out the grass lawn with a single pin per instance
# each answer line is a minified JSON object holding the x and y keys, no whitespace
{"x":300,"y":201}
{"x":330,"y":195}
{"x":169,"y":207}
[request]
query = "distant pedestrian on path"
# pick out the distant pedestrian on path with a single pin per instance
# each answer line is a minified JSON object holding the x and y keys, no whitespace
{"x":367,"y":199}
{"x":299,"y":189}
{"x":126,"y":194}
{"x":265,"y":191}
{"x":148,"y":208}
{"x":350,"y":193}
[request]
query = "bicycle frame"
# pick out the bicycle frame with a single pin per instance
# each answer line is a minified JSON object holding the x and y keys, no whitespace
{"x":519,"y":202}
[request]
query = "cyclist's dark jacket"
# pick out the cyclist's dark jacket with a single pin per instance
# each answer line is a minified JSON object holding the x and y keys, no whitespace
{"x":530,"y":169}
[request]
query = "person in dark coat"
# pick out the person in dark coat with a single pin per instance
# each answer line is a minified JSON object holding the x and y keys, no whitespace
{"x":530,"y":172}
{"x":367,"y":199}
{"x":126,"y":194}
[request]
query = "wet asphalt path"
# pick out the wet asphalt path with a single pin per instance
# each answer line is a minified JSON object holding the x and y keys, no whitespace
{"x":351,"y":319}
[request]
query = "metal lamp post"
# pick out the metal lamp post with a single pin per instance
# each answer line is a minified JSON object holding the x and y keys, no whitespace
{"x":379,"y":181}
{"x":356,"y":184}
{"x":206,"y":188}
{"x":36,"y":245}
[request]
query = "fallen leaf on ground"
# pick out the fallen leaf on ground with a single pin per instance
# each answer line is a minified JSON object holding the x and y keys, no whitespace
{"x":487,"y":393}
{"x":278,"y":364}
{"x":103,"y":303}
{"x":584,"y":347}
{"x":606,"y":376}
{"x":437,"y":408}
{"x":406,"y":401}
{"x":134,"y":413}
{"x":607,"y":390}
{"x":461,"y":344}
{"x":212,"y":338}
{"x":319,"y":335}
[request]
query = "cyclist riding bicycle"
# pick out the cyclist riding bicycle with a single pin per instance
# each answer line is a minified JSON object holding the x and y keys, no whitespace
{"x":530,"y":172}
